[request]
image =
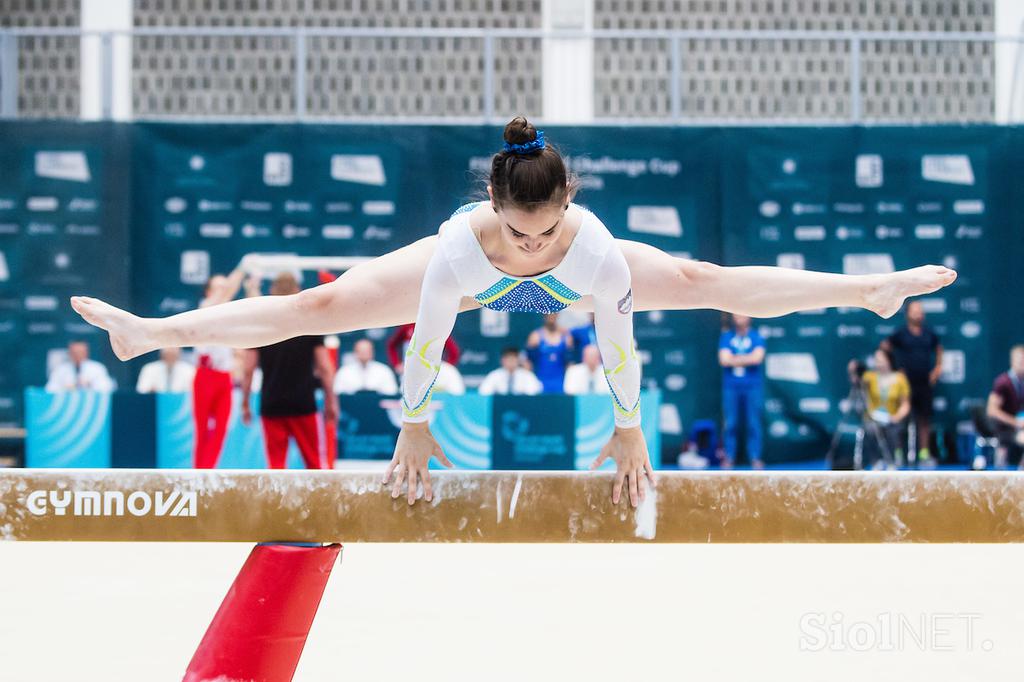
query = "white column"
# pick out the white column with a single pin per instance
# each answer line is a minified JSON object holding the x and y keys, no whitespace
{"x":106,"y":69}
{"x":568,"y":62}
{"x":1009,"y":62}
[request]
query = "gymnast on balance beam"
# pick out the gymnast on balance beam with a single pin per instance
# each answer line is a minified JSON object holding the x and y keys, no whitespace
{"x":527,"y":249}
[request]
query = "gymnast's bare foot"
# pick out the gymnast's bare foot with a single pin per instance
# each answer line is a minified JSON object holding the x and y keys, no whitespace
{"x":129,"y":336}
{"x":886,"y":293}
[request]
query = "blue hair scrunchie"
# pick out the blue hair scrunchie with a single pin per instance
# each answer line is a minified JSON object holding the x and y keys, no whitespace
{"x":527,"y":147}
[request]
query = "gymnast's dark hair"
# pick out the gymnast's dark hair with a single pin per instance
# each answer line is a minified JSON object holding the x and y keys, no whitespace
{"x":529,"y":172}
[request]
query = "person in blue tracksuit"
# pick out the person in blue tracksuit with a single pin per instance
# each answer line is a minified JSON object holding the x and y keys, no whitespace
{"x":741,"y":354}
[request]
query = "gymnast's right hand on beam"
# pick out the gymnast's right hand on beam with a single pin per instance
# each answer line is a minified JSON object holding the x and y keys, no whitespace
{"x":415,"y":447}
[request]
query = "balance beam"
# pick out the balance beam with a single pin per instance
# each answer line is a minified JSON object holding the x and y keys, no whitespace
{"x":344,"y":506}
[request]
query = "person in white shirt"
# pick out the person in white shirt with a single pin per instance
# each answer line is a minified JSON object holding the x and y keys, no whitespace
{"x":169,"y":374}
{"x":587,"y":376}
{"x":365,"y":373}
{"x":78,"y":372}
{"x":510,"y":378}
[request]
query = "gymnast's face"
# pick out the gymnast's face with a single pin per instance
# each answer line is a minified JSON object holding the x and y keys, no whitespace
{"x":531,"y":233}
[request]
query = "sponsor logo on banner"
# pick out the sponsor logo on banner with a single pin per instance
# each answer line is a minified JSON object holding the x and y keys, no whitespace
{"x":42,"y":204}
{"x":659,"y":220}
{"x":954,"y":169}
{"x":196,"y":162}
{"x":845,"y":331}
{"x":361,"y":169}
{"x":970,"y":329}
{"x":808,"y":209}
{"x":175,"y":205}
{"x":810,"y":332}
{"x":675,"y":382}
{"x":377,"y":233}
{"x":676,"y":358}
{"x":251,"y":231}
{"x":474,"y":357}
{"x":174,"y":305}
{"x":209,"y":205}
{"x":970,"y":304}
{"x":79,"y":328}
{"x":42,"y":328}
{"x":815,"y":405}
{"x":868,"y":263}
{"x":954,"y":366}
{"x":929,"y":207}
{"x":82,"y":205}
{"x":493,"y":323}
{"x":296,"y":231}
{"x":378,"y":208}
{"x":888,"y":232}
{"x":62,"y":260}
{"x":257,"y":206}
{"x":337,"y":232}
{"x":848,"y":208}
{"x":35,"y":228}
{"x":71,"y":166}
{"x":769,"y":209}
{"x":40,"y":303}
{"x":5,"y":272}
{"x":789,"y":166}
{"x":111,"y":503}
{"x":809,"y":233}
{"x":793,"y":261}
{"x":291,"y":206}
{"x":7,"y":204}
{"x":195,"y":267}
{"x":968,"y":232}
{"x":778,"y":429}
{"x":277,"y":169}
{"x":869,"y":170}
{"x":771,"y":332}
{"x":9,"y":228}
{"x":770,"y":233}
{"x":655,"y":316}
{"x":174,"y":230}
{"x":969,"y":207}
{"x":847,"y":232}
{"x":7,"y":327}
{"x":216,"y":230}
{"x":644,"y":356}
{"x":933,"y":305}
{"x":799,"y":368}
{"x":338,"y":207}
{"x":82,"y":230}
{"x":930,"y":232}
{"x":889,"y":207}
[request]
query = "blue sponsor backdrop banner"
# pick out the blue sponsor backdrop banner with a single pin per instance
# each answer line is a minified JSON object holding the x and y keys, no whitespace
{"x":535,"y":432}
{"x":142,"y":214}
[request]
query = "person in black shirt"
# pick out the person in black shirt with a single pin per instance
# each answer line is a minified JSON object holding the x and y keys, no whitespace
{"x":918,"y":352}
{"x":292,"y":370}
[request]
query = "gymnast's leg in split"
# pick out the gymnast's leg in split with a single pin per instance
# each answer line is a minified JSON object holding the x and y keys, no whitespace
{"x":385,"y":292}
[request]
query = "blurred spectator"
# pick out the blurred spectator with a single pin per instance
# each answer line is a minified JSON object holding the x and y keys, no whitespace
{"x":887,"y":393}
{"x":78,"y":372}
{"x":550,"y":350}
{"x":510,"y":378}
{"x":399,"y":341}
{"x":364,"y":373}
{"x":588,"y":376}
{"x":1006,"y":407}
{"x":292,"y":370}
{"x":741,"y":353}
{"x":583,"y":336}
{"x":169,"y":374}
{"x":917,"y":351}
{"x":449,"y":380}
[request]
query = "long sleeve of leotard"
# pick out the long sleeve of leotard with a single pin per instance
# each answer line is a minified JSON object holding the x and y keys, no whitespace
{"x":613,"y":321}
{"x":440,"y":296}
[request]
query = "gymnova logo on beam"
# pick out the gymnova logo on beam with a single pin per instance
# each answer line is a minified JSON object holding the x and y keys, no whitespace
{"x":111,"y":503}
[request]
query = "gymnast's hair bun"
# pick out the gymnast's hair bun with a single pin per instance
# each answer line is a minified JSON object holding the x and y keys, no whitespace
{"x":520,"y":131}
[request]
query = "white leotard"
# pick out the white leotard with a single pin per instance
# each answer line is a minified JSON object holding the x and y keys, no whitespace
{"x":593,"y":265}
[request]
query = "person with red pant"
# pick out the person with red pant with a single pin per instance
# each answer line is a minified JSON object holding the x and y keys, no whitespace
{"x":212,"y":384}
{"x":292,"y":370}
{"x":398,"y":342}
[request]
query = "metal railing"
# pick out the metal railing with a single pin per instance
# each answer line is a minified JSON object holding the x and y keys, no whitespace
{"x":300,"y":37}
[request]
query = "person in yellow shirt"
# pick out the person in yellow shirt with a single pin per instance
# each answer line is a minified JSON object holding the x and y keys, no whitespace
{"x":887,"y":393}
